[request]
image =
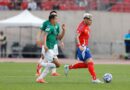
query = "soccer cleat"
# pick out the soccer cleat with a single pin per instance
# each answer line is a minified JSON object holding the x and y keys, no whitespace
{"x":39,"y":67}
{"x":66,"y":69}
{"x":96,"y":81}
{"x":55,"y":74}
{"x":41,"y":81}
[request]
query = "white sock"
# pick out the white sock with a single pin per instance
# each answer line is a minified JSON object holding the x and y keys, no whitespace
{"x":53,"y":70}
{"x":48,"y":67}
{"x":44,"y":73}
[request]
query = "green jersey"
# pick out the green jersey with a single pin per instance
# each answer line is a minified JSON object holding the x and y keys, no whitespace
{"x":52,"y":33}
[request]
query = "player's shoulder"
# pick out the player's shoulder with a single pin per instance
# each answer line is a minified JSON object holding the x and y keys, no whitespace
{"x":80,"y":25}
{"x":46,"y":22}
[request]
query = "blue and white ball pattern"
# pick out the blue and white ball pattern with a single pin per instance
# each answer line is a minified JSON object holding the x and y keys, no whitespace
{"x":107,"y":77}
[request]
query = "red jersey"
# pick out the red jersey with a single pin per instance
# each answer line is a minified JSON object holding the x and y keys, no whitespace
{"x":84,"y":32}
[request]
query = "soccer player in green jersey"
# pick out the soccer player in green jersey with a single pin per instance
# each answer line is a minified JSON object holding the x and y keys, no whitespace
{"x":51,"y":35}
{"x":39,"y":67}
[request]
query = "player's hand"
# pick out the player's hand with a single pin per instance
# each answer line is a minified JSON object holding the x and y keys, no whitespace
{"x":63,"y":26}
{"x":46,"y":48}
{"x":81,"y":48}
{"x":39,"y":43}
{"x":62,"y":44}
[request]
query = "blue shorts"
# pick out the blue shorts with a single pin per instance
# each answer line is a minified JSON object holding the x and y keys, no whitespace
{"x":83,"y":55}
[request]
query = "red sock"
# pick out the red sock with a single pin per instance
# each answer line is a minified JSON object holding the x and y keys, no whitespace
{"x":78,"y":65}
{"x":91,"y":70}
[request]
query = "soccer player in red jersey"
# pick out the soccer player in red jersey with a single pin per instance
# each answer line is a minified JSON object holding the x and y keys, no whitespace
{"x":83,"y":52}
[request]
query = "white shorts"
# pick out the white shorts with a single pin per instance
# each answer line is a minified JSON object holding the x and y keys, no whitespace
{"x":50,"y":54}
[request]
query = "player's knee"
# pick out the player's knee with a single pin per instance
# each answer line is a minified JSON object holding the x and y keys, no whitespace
{"x":58,"y":65}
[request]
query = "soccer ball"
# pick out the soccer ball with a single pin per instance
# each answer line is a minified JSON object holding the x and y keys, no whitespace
{"x":107,"y":77}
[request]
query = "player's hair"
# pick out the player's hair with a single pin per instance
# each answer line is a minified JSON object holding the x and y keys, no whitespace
{"x":53,"y":12}
{"x":52,"y":17}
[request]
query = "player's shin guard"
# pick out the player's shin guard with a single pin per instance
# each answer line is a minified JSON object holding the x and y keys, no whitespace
{"x":78,"y":65}
{"x":91,"y":70}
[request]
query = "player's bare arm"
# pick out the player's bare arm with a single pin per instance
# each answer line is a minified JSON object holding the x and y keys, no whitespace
{"x":78,"y":42}
{"x":60,"y":36}
{"x":38,"y":40}
{"x":61,"y":43}
{"x":44,"y":41}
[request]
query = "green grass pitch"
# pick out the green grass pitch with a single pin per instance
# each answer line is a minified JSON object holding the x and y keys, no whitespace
{"x":21,"y":76}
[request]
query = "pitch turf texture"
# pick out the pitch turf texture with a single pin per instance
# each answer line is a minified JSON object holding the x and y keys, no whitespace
{"x":21,"y":76}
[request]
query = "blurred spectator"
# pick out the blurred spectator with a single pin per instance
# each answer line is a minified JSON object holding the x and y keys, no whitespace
{"x":24,"y":4}
{"x":32,"y":5}
{"x":56,"y":7}
{"x":4,"y":4}
{"x":127,"y":42}
{"x":3,"y":44}
{"x":127,"y":36}
{"x":38,"y":4}
{"x":18,"y":4}
{"x":11,"y":5}
{"x":65,"y":5}
{"x":82,"y":3}
{"x":3,"y":8}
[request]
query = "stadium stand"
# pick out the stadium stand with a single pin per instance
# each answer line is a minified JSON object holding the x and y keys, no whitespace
{"x":102,"y":5}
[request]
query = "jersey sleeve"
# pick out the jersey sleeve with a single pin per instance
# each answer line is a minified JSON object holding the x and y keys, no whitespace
{"x":79,"y":29}
{"x":43,"y":26}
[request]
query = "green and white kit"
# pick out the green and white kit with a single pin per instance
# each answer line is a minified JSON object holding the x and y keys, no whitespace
{"x":51,"y":41}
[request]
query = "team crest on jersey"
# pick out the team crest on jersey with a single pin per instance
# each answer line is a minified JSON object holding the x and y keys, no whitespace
{"x":48,"y":28}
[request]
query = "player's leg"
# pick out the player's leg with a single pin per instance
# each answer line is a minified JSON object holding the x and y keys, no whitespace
{"x":87,"y":57}
{"x":90,"y":64}
{"x":91,"y":70}
{"x":40,"y":79}
{"x":55,"y":60}
{"x":2,"y":50}
{"x":78,"y":64}
{"x":87,"y":62}
{"x":81,"y":58}
{"x":48,"y":67}
{"x":57,"y":63}
{"x":39,"y":67}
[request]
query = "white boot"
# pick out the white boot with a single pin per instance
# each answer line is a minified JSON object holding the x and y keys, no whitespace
{"x":66,"y":69}
{"x":97,"y":81}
